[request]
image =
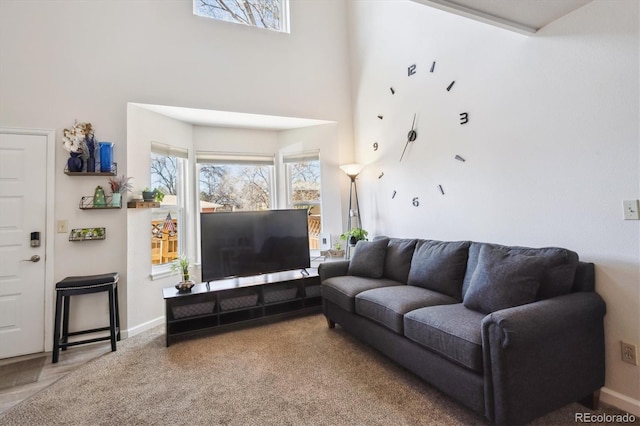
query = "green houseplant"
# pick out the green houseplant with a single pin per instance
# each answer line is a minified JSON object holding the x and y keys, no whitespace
{"x":182,"y":265}
{"x":354,"y":235}
{"x":153,"y":195}
{"x":119,"y":185}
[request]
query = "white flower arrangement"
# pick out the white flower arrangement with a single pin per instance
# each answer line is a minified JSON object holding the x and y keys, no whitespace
{"x":75,"y":139}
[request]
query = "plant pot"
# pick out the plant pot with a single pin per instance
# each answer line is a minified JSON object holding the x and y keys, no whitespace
{"x":148,"y":195}
{"x":336,"y":253}
{"x":185,"y":286}
{"x":116,"y":199}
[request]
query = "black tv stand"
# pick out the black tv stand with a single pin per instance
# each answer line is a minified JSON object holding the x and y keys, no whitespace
{"x":234,"y":302}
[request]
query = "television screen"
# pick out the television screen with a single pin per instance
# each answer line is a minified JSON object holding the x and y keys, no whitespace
{"x":252,"y":243}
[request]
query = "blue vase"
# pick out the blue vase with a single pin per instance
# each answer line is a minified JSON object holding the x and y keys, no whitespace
{"x":74,"y":163}
{"x":91,"y":165}
{"x":106,"y":156}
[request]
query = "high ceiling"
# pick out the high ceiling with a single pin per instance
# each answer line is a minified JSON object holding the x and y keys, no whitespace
{"x":205,"y":117}
{"x":523,"y":16}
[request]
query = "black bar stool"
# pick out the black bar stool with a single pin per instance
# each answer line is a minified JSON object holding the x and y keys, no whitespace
{"x":73,"y":286}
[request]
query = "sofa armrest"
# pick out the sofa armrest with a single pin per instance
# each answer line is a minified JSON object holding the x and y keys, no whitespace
{"x":333,"y":269}
{"x":543,"y":355}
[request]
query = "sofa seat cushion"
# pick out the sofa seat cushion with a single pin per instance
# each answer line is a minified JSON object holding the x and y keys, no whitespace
{"x":452,"y":331}
{"x":387,"y":305}
{"x":343,"y":290}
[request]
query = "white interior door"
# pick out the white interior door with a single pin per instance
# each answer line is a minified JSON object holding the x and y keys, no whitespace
{"x":23,"y":195}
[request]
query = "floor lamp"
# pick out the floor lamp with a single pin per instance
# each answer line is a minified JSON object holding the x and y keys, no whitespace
{"x":352,"y":170}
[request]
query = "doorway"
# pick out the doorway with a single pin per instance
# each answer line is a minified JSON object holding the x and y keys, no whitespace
{"x":26,"y":240}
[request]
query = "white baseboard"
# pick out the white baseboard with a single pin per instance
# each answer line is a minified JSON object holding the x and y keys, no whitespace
{"x":620,"y":401}
{"x":130,"y":332}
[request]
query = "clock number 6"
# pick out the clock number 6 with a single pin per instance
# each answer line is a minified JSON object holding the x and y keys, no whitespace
{"x":464,"y":117}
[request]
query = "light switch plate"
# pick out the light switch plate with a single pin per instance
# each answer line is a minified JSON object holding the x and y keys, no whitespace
{"x":62,"y":227}
{"x":630,"y":209}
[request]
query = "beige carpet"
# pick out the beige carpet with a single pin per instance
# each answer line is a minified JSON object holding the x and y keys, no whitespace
{"x":294,"y":372}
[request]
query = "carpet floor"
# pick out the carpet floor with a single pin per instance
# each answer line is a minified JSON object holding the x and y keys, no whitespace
{"x":294,"y":372}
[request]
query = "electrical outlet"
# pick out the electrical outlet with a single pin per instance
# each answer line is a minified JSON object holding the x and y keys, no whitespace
{"x":629,"y":352}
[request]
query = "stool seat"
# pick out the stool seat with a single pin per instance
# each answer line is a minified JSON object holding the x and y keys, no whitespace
{"x":75,"y":286}
{"x":87,"y":281}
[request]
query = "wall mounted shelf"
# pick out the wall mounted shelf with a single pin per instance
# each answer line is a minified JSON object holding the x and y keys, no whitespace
{"x":86,"y":203}
{"x":113,"y":172}
{"x":137,"y":204}
{"x":87,"y":234}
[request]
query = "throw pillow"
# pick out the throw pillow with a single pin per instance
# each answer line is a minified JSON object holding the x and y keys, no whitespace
{"x":368,"y":258}
{"x":558,"y":271}
{"x":503,"y":280}
{"x":439,"y":266}
{"x":398,"y":259}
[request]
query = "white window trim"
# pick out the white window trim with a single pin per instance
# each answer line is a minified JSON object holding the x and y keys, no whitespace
{"x":285,"y":24}
{"x":164,"y":270}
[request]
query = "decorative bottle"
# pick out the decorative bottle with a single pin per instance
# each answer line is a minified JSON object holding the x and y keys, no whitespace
{"x":106,"y":156}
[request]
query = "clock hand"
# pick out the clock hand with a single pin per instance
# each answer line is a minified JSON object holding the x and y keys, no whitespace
{"x":411,"y":136}
{"x":405,"y":148}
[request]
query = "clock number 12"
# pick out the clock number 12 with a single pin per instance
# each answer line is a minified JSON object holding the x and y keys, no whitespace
{"x":411,"y":70}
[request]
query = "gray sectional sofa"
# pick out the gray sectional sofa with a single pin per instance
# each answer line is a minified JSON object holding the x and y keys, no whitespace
{"x":511,"y":332}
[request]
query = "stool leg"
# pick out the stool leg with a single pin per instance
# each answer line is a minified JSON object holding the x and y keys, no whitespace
{"x":112,"y":318}
{"x":65,"y":321}
{"x":117,"y":312}
{"x":56,"y":328}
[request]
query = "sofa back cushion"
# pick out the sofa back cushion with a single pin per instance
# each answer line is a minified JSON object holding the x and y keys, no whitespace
{"x":503,"y":279}
{"x":368,"y":258}
{"x":398,"y":259}
{"x":559,"y":267}
{"x":439,"y":266}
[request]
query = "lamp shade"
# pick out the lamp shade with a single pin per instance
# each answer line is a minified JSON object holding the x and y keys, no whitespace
{"x":353,"y":169}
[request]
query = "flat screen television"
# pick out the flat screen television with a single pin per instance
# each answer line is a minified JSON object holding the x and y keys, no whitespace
{"x":250,"y":243}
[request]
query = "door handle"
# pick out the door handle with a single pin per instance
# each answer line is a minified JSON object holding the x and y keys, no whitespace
{"x":34,"y":258}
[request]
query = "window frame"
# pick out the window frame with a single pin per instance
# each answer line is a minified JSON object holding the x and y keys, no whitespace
{"x":182,"y":187}
{"x":285,"y":24}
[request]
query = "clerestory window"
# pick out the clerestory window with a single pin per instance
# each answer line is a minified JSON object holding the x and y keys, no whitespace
{"x":269,"y":14}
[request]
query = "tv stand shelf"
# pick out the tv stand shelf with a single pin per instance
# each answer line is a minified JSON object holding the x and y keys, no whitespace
{"x":233,"y":302}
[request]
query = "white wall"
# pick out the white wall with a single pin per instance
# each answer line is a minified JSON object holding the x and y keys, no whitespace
{"x":323,"y":139}
{"x":144,"y":304}
{"x":87,"y":60}
{"x":552,"y":145}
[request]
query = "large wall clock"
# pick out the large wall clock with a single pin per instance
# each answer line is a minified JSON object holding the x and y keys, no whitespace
{"x":400,"y":151}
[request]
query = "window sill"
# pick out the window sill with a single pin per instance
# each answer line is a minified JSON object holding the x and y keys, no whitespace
{"x":161,"y":272}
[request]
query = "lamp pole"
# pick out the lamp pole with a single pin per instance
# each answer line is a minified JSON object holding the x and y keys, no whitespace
{"x":352,"y":170}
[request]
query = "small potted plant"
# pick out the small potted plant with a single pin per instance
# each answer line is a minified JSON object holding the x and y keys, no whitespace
{"x":148,"y":194}
{"x":354,"y":235}
{"x":158,"y":195}
{"x":182,"y":265}
{"x":119,"y":185}
{"x":336,"y":251}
